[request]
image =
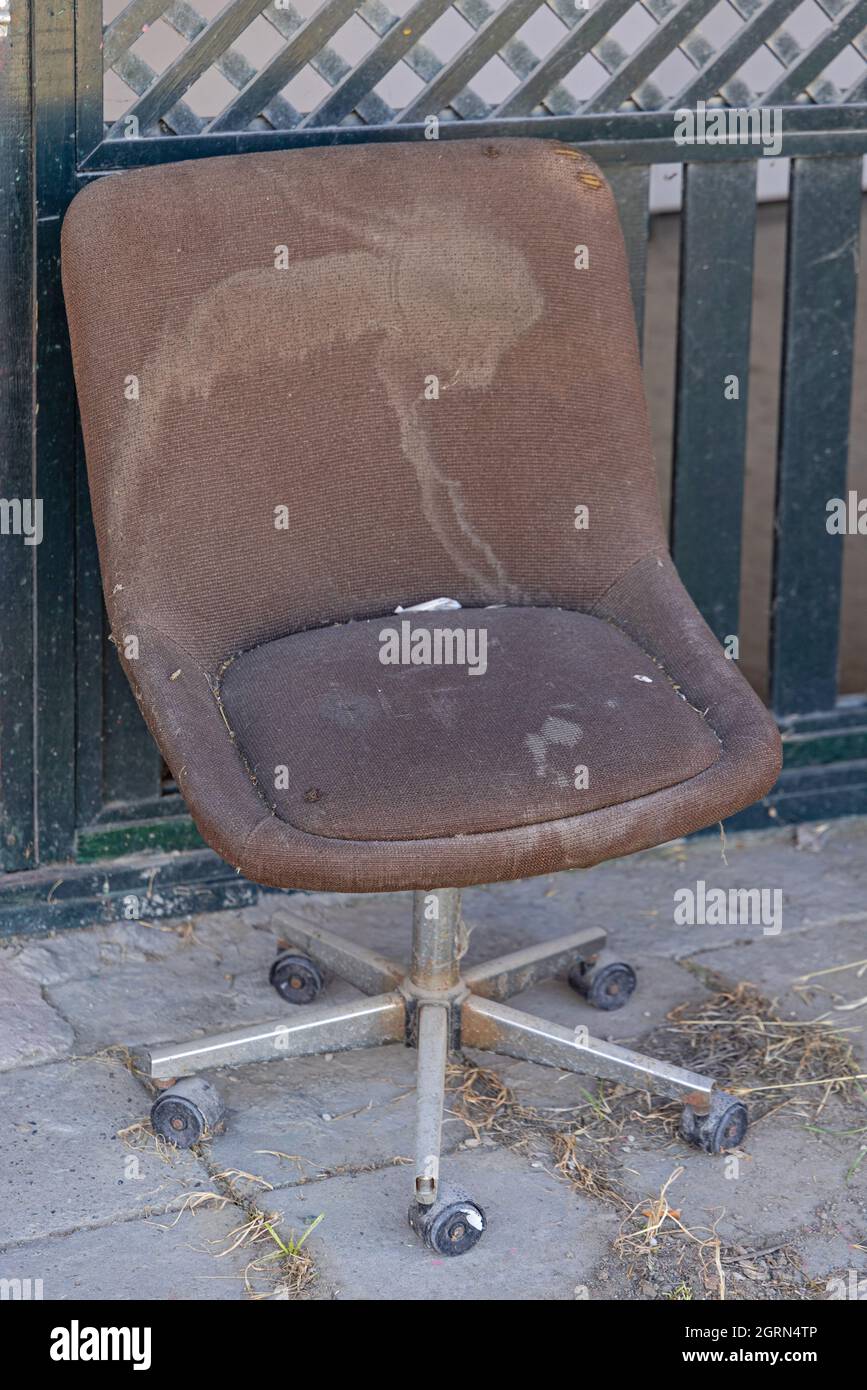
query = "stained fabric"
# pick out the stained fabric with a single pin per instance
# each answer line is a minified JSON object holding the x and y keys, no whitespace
{"x":318,"y":384}
{"x":566,"y":716}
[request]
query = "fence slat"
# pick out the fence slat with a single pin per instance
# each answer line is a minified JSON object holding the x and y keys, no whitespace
{"x":631,"y":188}
{"x":821,"y":285}
{"x":563,"y":57}
{"x":735,"y":51}
{"x":54,"y":427}
{"x":131,"y":762}
{"x":660,"y":42}
{"x":127,"y":27}
{"x":196,"y":58}
{"x":814,"y":60}
{"x":403,"y":35}
{"x":713,"y":349}
{"x":89,"y":653}
{"x":469,"y":60}
{"x":17,"y":728}
{"x":304,"y":45}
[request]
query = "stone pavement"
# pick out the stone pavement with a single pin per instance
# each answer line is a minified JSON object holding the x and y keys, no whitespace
{"x":95,"y":1210}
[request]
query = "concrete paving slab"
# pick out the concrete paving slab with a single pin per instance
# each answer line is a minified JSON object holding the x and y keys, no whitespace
{"x":223,"y":938}
{"x":64,"y":1166}
{"x":30,"y":1029}
{"x":779,"y":1180}
{"x":190,"y":996}
{"x":352,"y":1110}
{"x":542,"y":1241}
{"x":633,"y":899}
{"x":778,"y":965}
{"x":832,"y":1253}
{"x":160,"y":1258}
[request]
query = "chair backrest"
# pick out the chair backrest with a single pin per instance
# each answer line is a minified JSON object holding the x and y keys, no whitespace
{"x":318,"y":384}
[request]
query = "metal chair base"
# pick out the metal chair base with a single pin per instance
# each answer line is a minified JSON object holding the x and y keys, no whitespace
{"x":436,"y":1008}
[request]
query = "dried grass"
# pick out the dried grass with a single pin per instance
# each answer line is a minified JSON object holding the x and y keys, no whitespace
{"x":736,"y":1036}
{"x":280,"y":1266}
{"x":491,"y":1112}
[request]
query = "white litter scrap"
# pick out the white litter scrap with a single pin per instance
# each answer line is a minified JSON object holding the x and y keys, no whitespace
{"x":473,"y":1217}
{"x":431,"y":605}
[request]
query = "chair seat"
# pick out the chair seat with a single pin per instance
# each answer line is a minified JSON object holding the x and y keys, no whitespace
{"x":551,"y":714}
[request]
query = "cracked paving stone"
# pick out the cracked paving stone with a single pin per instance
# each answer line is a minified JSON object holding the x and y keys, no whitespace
{"x":542,"y":1241}
{"x":774,"y":964}
{"x":148,"y":1259}
{"x":64,"y":1166}
{"x":30,"y":1029}
{"x":783,"y":1176}
{"x":141,"y":1004}
{"x":357,"y":1108}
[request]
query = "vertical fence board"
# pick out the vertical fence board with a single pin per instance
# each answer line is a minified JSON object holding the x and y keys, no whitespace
{"x":55,"y":598}
{"x":17,"y":565}
{"x":116,"y":758}
{"x":716,"y":285}
{"x":90,"y":126}
{"x":54,"y":136}
{"x":89,"y":627}
{"x":821,"y":285}
{"x":131,"y":761}
{"x":631,"y":188}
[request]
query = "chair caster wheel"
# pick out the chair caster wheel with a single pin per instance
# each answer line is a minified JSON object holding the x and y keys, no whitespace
{"x":186,"y":1110}
{"x":723,"y":1127}
{"x":451,"y":1226}
{"x":296,"y":978}
{"x":605,"y":983}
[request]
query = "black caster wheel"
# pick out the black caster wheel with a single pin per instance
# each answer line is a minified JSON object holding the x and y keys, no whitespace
{"x":296,"y":978}
{"x":722,"y":1127}
{"x":605,"y":983}
{"x":186,"y":1110}
{"x":450,"y":1226}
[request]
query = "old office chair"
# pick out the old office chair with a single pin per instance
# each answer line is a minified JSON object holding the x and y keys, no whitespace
{"x":319,"y":385}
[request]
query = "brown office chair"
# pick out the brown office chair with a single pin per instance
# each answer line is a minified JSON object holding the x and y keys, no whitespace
{"x":315,"y":387}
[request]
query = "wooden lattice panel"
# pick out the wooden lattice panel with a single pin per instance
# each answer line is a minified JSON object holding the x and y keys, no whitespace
{"x":303,"y":64}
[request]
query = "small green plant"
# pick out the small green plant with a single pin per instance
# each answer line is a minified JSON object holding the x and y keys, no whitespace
{"x":682,"y":1294}
{"x":294,"y":1246}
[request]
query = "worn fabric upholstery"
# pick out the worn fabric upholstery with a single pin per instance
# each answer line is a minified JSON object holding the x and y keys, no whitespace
{"x":391,"y":754}
{"x":318,"y":384}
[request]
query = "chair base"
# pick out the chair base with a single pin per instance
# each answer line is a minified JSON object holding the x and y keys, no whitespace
{"x":437,"y":1009}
